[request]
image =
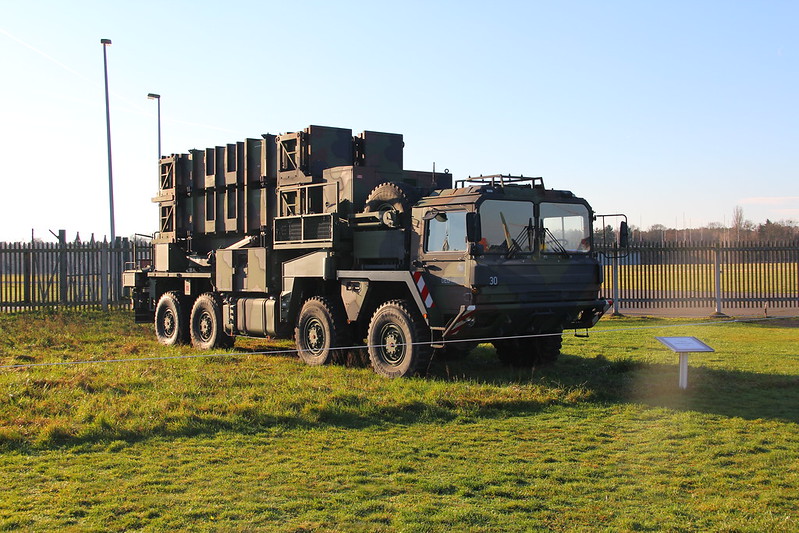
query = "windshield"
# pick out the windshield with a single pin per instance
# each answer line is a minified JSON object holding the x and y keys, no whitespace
{"x":566,"y":225}
{"x":560,"y":228}
{"x":502,"y":221}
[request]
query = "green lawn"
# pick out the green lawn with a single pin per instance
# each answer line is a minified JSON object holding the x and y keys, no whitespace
{"x":602,"y":440}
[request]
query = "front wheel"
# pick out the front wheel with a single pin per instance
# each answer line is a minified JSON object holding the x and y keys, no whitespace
{"x":549,"y":347}
{"x":206,"y":324}
{"x":397,"y":340}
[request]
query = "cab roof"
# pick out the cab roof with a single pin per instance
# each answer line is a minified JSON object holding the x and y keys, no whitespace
{"x":473,"y":190}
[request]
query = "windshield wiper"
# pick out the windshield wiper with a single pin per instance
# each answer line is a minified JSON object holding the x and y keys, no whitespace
{"x":527,"y":232}
{"x":509,"y":241}
{"x":552,"y":241}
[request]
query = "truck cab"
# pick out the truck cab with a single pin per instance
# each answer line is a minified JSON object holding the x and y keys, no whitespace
{"x":502,"y":256}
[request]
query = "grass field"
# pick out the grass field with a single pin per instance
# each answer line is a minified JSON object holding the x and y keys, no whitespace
{"x":601,"y":440}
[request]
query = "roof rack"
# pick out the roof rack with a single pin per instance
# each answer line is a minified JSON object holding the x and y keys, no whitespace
{"x":500,"y":180}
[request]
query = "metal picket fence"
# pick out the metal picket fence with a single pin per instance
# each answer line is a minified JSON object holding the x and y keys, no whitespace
{"x":79,"y":275}
{"x":647,"y":276}
{"x":723,"y":276}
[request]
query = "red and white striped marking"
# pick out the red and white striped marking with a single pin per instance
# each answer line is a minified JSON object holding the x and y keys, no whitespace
{"x":423,"y":290}
{"x":462,"y":321}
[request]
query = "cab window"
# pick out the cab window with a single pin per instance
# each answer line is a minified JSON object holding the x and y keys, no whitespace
{"x":446,"y":232}
{"x":502,"y":220}
{"x":568,"y":225}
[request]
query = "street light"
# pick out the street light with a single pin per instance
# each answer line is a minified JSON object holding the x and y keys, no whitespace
{"x":105,"y":43}
{"x":153,"y":96}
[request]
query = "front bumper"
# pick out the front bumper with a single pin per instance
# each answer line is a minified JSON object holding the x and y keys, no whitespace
{"x":482,"y":321}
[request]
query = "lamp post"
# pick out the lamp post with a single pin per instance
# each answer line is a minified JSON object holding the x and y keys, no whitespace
{"x":105,"y":43}
{"x":153,"y":96}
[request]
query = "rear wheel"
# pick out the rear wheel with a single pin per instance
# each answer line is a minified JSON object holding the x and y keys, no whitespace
{"x":320,"y":329}
{"x":171,"y":321}
{"x":397,"y":340}
{"x":206,"y":324}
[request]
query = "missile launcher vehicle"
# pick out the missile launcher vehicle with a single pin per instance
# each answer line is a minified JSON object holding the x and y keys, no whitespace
{"x":324,"y":237}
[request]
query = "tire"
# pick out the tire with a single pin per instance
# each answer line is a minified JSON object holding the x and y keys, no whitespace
{"x":516,"y":352}
{"x":549,"y":348}
{"x":392,"y":196}
{"x":320,"y":329}
{"x":171,"y":321}
{"x":398,"y":341}
{"x":206,"y":328}
{"x":529,"y":351}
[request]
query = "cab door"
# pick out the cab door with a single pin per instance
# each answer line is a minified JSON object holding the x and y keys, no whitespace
{"x":445,"y":263}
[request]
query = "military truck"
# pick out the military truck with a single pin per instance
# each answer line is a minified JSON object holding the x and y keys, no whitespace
{"x":323,"y":236}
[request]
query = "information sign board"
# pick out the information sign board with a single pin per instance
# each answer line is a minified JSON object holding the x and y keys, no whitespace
{"x":685,"y":344}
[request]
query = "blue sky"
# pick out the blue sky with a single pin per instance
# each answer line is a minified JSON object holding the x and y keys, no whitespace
{"x":670,"y":112}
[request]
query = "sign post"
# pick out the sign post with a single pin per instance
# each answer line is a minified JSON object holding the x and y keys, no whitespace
{"x":684,"y":346}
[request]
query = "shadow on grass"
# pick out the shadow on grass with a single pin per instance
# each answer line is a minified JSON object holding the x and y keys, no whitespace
{"x":343,"y":412}
{"x":728,"y":393}
{"x":475,"y":388}
{"x":748,"y":395}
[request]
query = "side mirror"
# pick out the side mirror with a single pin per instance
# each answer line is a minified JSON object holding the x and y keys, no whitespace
{"x":624,"y":235}
{"x":472,"y":227}
{"x":430,"y":214}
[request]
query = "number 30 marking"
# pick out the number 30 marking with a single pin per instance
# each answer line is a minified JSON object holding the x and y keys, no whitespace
{"x":493,"y":280}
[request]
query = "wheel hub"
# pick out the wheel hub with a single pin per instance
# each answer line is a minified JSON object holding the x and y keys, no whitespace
{"x":393,"y":344}
{"x":314,"y":336}
{"x":206,"y":326}
{"x":169,"y":323}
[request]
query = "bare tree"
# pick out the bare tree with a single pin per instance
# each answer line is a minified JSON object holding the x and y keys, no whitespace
{"x":738,"y":221}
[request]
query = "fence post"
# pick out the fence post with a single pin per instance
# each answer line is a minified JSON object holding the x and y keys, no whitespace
{"x":121,"y":261}
{"x":63,"y":281}
{"x":27,"y":276}
{"x":615,"y":281}
{"x":717,"y":256}
{"x":105,"y":251}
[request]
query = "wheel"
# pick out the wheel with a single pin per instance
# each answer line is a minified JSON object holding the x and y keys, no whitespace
{"x":171,"y":321}
{"x":529,"y":351}
{"x":397,"y":340}
{"x":206,"y":324}
{"x":512,"y":352}
{"x":390,"y":196}
{"x":320,"y":329}
{"x":549,"y":347}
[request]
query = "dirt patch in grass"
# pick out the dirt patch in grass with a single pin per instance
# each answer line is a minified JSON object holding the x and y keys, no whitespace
{"x":787,"y":323}
{"x":776,"y":322}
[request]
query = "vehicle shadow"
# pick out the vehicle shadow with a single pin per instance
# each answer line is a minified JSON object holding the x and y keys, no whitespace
{"x":748,"y":395}
{"x":473,"y":388}
{"x":731,"y":393}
